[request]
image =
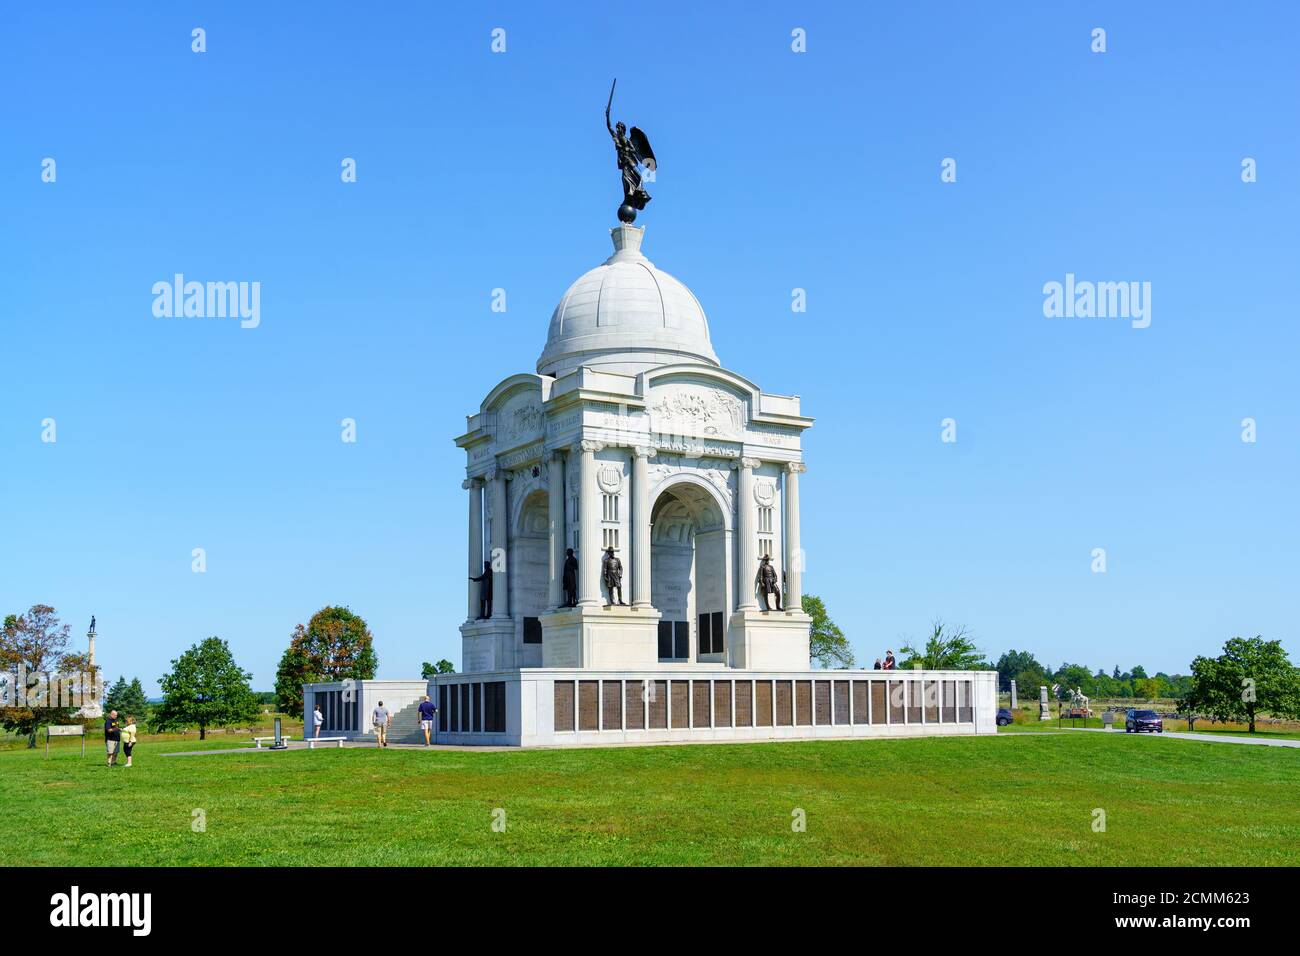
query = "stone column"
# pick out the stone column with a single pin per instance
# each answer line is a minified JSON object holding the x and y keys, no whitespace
{"x":588,"y":525}
{"x":500,"y":544}
{"x":641,"y":525}
{"x":475,"y":488}
{"x":747,"y":528}
{"x":555,"y":525}
{"x":794,"y":562}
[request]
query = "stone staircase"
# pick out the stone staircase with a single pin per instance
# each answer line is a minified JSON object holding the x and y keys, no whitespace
{"x":405,"y":728}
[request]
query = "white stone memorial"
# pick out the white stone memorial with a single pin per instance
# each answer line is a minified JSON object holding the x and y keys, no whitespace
{"x":630,"y":435}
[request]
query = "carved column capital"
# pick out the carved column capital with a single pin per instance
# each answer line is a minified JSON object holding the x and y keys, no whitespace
{"x":588,"y":445}
{"x":750,"y":463}
{"x":645,"y":451}
{"x":491,"y":474}
{"x":795,"y":467}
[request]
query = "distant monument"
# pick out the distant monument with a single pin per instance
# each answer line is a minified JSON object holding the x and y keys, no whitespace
{"x":93,"y":708}
{"x":1043,"y":713}
{"x":1013,"y":695}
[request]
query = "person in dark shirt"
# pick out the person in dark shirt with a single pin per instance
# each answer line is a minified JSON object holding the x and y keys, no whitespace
{"x":112,"y":736}
{"x":427,"y":712}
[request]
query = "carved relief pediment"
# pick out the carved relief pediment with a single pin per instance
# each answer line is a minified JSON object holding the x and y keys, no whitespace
{"x":520,"y":419}
{"x":687,"y":408}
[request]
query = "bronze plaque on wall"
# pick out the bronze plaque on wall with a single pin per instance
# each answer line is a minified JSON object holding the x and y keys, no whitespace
{"x":822,"y":701}
{"x":722,"y":703}
{"x":744,"y":704}
{"x":588,"y":706}
{"x":659,"y":705}
{"x":763,"y":704}
{"x":700,"y":704}
{"x":634,"y":703}
{"x":564,"y":705}
{"x":680,"y":709}
{"x":803,"y":702}
{"x":841,"y":702}
{"x":611,"y":717}
{"x":784,"y":704}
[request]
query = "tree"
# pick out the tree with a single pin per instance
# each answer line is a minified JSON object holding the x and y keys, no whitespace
{"x":205,"y":687}
{"x":1011,"y":664}
{"x":335,"y":645}
{"x":37,"y":643}
{"x":1074,"y":676}
{"x":1138,"y":673}
{"x":443,"y":666}
{"x":947,"y":648}
{"x":127,"y":698}
{"x":1251,"y":676}
{"x":827,"y":644}
{"x":1148,"y":688}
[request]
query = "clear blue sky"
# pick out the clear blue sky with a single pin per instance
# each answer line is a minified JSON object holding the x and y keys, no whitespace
{"x":777,"y":170}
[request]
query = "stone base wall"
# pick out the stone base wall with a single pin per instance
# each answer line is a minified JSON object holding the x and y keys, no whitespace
{"x":559,"y":708}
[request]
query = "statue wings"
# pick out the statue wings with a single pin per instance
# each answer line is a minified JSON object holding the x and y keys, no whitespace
{"x":644,"y":154}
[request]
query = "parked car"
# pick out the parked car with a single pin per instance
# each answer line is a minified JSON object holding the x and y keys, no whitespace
{"x":1004,"y":717}
{"x":1136,"y":721}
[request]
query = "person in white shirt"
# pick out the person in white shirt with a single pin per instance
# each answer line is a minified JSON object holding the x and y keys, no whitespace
{"x":318,"y":719}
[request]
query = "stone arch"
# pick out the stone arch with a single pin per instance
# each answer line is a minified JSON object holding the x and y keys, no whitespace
{"x":689,"y":546}
{"x":528,"y":572}
{"x":702,"y":482}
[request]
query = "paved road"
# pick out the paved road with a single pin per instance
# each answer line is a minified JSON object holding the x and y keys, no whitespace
{"x":1208,"y":738}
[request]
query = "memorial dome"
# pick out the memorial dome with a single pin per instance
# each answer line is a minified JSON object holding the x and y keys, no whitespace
{"x":626,"y":316}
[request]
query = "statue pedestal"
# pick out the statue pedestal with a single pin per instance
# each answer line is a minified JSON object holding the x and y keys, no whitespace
{"x":769,"y":640}
{"x":487,"y":645}
{"x":600,"y":637}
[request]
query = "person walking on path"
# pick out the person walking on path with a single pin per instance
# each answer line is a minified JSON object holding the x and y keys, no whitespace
{"x":382,"y":720}
{"x":427,"y":712}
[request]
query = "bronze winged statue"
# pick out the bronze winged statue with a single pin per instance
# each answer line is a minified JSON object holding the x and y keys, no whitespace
{"x":633,"y":151}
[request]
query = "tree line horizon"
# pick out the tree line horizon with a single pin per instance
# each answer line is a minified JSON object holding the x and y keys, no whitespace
{"x":206,"y":688}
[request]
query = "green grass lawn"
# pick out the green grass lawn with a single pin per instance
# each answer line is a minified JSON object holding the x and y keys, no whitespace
{"x":1014,"y":799}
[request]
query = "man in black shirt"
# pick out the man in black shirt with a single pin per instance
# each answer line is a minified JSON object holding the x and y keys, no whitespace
{"x":112,"y":736}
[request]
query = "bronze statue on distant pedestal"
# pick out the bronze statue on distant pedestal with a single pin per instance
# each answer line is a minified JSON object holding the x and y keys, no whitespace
{"x":611,"y":569}
{"x":767,"y":583}
{"x":570,"y":579}
{"x":484,"y":591}
{"x":633,"y":150}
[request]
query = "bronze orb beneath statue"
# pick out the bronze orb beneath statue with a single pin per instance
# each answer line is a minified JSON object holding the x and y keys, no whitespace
{"x":627,"y":213}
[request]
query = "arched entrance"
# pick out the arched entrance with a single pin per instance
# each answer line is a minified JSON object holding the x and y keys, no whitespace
{"x":529,"y":564}
{"x":688,"y":577}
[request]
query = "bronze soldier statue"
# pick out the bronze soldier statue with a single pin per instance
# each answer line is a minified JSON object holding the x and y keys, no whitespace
{"x":570,"y":579}
{"x":611,"y":569}
{"x":767,"y":583}
{"x":633,"y":150}
{"x":484,"y":591}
